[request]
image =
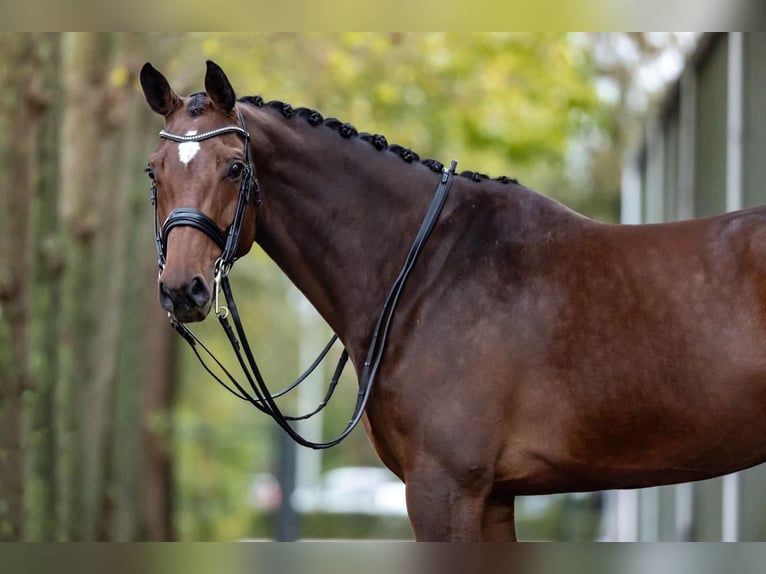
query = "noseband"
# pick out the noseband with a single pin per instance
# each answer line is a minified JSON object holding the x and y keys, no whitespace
{"x":227,"y":240}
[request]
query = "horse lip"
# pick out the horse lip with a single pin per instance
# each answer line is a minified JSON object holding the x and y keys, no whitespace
{"x":192,"y":315}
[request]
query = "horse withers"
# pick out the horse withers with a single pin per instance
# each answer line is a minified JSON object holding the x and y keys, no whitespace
{"x":533,"y":351}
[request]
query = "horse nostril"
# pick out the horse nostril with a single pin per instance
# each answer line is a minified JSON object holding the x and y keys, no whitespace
{"x":198,"y":291}
{"x":166,"y":299}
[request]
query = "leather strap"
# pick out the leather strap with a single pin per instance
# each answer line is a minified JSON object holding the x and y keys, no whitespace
{"x":190,"y":217}
{"x":228,"y":241}
{"x":262,"y":398}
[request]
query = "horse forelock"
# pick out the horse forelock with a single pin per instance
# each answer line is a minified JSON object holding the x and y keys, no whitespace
{"x":347,"y":131}
{"x":196,"y":104}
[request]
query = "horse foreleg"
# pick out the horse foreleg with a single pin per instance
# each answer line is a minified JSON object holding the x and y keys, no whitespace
{"x":442,"y":508}
{"x":499,"y":521}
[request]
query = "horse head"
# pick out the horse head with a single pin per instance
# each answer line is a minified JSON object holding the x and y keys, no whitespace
{"x":202,"y":181}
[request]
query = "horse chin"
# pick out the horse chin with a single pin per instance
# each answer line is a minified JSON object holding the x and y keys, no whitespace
{"x":193,"y":315}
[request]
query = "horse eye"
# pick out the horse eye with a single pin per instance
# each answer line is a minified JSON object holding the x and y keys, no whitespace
{"x":150,"y":172}
{"x":236,"y":169}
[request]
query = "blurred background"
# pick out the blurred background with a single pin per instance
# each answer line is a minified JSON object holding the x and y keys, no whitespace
{"x":109,"y":428}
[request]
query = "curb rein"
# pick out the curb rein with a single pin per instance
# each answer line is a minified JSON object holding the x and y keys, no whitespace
{"x":228,"y":241}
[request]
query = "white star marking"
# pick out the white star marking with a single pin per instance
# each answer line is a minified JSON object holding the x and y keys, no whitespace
{"x":187,"y":150}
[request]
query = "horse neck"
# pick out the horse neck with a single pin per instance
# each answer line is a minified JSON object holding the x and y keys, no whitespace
{"x":337,"y":216}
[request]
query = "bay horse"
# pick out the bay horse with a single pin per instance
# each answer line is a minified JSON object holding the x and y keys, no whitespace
{"x":534,"y":350}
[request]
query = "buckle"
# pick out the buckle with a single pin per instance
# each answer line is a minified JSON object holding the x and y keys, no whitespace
{"x":221,"y":270}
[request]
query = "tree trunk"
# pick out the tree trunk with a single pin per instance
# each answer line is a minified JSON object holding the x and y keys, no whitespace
{"x":81,"y":205}
{"x":159,"y":352}
{"x":116,"y":379}
{"x":141,"y":475}
{"x":159,"y":376}
{"x":40,"y":441}
{"x":117,"y":139}
{"x":85,"y":352}
{"x":19,"y":97}
{"x":158,"y":397}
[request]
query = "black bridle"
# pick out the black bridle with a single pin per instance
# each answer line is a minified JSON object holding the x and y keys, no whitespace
{"x":228,"y":241}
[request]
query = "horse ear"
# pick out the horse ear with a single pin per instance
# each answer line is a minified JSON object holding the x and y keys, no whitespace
{"x":157,"y":91}
{"x":218,"y":87}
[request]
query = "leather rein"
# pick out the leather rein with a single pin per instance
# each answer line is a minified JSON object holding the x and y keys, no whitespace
{"x":228,"y":240}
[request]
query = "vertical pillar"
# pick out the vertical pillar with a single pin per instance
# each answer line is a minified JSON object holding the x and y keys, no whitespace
{"x":686,"y":146}
{"x":630,"y":190}
{"x":287,"y":519}
{"x":734,"y":192}
{"x":310,"y":393}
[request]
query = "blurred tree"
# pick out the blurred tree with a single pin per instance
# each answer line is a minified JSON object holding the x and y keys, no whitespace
{"x":84,"y":229}
{"x":114,"y":469}
{"x":87,"y":359}
{"x":145,"y":373}
{"x":20,"y":96}
{"x":40,"y":444}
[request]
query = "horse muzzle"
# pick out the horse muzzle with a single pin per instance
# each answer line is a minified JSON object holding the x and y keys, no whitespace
{"x":188,"y":301}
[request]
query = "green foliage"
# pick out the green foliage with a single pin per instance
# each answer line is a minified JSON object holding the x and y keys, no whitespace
{"x":502,"y":104}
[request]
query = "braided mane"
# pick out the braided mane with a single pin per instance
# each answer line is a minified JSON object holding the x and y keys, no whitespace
{"x":347,"y":130}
